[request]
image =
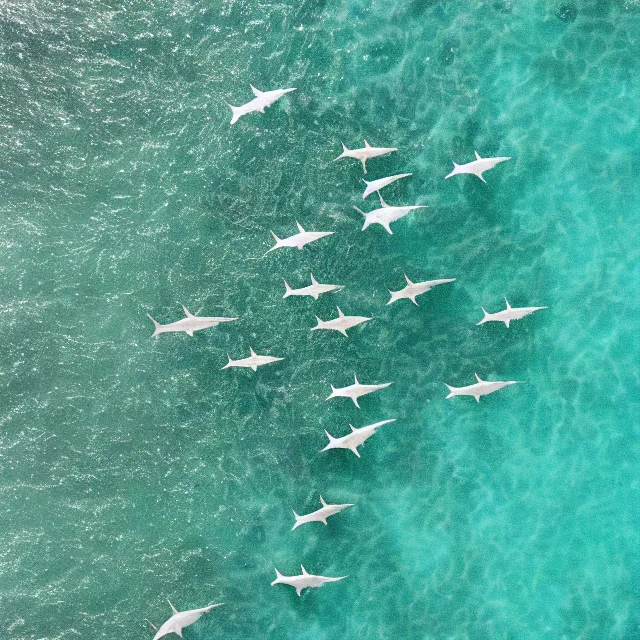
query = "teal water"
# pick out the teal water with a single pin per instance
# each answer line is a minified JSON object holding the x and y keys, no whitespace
{"x":133,"y":470}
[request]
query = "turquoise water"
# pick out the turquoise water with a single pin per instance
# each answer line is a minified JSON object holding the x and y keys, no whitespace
{"x":133,"y":470}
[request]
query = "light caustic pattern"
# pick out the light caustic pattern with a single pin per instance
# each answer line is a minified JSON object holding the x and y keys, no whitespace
{"x":132,"y":469}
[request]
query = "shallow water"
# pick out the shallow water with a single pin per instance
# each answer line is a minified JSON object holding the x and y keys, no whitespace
{"x":133,"y":470}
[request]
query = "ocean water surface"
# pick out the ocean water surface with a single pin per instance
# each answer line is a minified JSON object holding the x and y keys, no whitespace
{"x":133,"y":469}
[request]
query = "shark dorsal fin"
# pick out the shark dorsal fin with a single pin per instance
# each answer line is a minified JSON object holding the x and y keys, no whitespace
{"x":355,"y":377}
{"x":186,"y":312}
{"x":340,"y":314}
{"x":173,"y":608}
{"x":367,"y":145}
{"x":507,"y":302}
{"x":382,"y":202}
{"x":478,"y":378}
{"x":324,"y":504}
{"x":477,"y":155}
{"x":313,"y":280}
{"x":407,"y":279}
{"x":252,"y":352}
{"x":304,"y":571}
{"x":256,"y":92}
{"x":353,"y":429}
{"x":300,"y":229}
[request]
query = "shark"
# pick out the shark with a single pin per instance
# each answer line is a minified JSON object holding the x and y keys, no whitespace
{"x":262,"y":100}
{"x":321,"y":514}
{"x":188,"y":324}
{"x":314,"y":290}
{"x":509,"y":314}
{"x":354,"y":391}
{"x":376,"y":185}
{"x":386,"y":214}
{"x":253,"y":361}
{"x":480,"y":388}
{"x":365,"y":153}
{"x":180,"y":619}
{"x":304,"y":580}
{"x":354,"y":439}
{"x":477,"y":167}
{"x":299,"y":239}
{"x":341,"y":323}
{"x":414,"y":289}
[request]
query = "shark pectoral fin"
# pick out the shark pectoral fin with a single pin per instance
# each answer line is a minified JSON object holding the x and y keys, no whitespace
{"x":299,"y":591}
{"x":313,"y":280}
{"x":254,"y":367}
{"x":477,"y":399}
{"x":304,"y":571}
{"x":406,"y":277}
{"x":367,"y":145}
{"x":355,"y":450}
{"x":413,"y":299}
{"x":324,"y":522}
{"x":189,"y":332}
{"x":186,"y":312}
{"x":153,"y":626}
{"x":353,"y":429}
{"x":481,"y":178}
{"x":343,"y":332}
{"x":355,"y":401}
{"x":252,"y":352}
{"x":324,"y":504}
{"x":364,"y":165}
{"x":478,"y":378}
{"x":477,"y":155}
{"x":256,"y":92}
{"x":382,"y":202}
{"x":300,"y":229}
{"x":387,"y":227}
{"x":173,"y":608}
{"x":507,"y":323}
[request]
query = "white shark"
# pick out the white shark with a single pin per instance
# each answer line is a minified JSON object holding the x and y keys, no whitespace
{"x":299,"y":239}
{"x":414,"y":289}
{"x":376,"y":185}
{"x":354,"y":439}
{"x":304,"y":580}
{"x":179,"y":620}
{"x":262,"y":99}
{"x":341,"y":323}
{"x":314,"y":290}
{"x":354,"y":391}
{"x":477,"y":167}
{"x":320,"y":515}
{"x":365,"y":153}
{"x":509,"y":314}
{"x":481,"y":388}
{"x":252,"y":362}
{"x":189,"y":324}
{"x":386,"y":214}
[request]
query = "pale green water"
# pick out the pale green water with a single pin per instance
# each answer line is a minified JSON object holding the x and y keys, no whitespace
{"x":132,"y":469}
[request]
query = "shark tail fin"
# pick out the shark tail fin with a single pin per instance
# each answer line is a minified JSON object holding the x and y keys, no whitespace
{"x":454,"y":172}
{"x":298,"y":523}
{"x":275,"y":237}
{"x":394,"y":296}
{"x":331,"y":443}
{"x":452,"y":391}
{"x":318,"y":326}
{"x":278,"y":578}
{"x":155,"y":324}
{"x":236,"y":111}
{"x":486,"y":316}
{"x":287,"y":291}
{"x":344,"y":153}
